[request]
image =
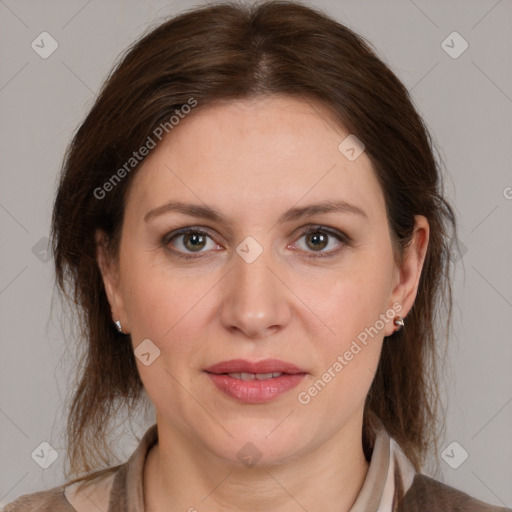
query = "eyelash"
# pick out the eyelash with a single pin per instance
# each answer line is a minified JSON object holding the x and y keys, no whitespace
{"x":341,"y":237}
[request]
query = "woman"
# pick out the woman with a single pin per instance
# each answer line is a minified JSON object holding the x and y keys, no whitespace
{"x":252,"y":222}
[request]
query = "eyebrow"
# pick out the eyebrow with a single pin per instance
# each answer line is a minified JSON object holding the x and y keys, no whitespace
{"x":295,"y":213}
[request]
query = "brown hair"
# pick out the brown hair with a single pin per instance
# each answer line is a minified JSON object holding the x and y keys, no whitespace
{"x":225,"y":52}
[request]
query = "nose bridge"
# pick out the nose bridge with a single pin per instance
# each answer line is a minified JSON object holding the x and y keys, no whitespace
{"x":255,"y":302}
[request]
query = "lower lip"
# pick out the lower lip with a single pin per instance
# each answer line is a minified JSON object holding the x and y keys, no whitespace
{"x":256,"y":391}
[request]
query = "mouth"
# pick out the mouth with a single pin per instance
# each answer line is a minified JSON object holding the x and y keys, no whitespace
{"x":255,"y":382}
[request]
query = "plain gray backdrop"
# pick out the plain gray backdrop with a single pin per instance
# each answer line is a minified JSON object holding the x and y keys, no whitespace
{"x":464,"y":95}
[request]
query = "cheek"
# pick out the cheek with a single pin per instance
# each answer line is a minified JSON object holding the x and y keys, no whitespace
{"x":350,"y":301}
{"x":349,"y":354}
{"x":357,"y":298}
{"x":169,"y":310}
{"x":153,"y":300}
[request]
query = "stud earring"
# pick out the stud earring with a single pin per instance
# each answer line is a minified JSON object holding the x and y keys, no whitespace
{"x":399,"y":322}
{"x":118,"y":325}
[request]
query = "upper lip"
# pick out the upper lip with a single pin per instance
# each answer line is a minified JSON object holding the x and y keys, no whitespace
{"x":244,"y":366}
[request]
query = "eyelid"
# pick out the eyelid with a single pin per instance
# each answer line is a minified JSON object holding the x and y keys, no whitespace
{"x":344,"y":239}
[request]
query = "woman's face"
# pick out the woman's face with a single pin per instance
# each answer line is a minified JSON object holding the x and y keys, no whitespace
{"x":253,"y":286}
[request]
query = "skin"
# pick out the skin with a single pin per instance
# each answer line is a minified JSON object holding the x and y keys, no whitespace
{"x":253,"y":159}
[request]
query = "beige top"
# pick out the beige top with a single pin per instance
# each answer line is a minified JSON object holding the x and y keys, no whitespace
{"x":391,"y":485}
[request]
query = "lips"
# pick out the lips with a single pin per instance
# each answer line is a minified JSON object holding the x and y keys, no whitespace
{"x":255,"y":382}
{"x":265,"y":367}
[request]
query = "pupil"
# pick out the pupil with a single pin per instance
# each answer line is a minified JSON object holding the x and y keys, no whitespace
{"x":322,"y":238}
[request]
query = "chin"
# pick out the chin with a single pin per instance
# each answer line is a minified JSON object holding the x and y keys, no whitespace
{"x":263,"y":445}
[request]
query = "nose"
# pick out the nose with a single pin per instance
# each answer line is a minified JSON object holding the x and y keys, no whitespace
{"x":256,"y":303}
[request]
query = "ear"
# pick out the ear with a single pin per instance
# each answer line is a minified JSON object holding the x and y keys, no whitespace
{"x":409,"y":273}
{"x":109,"y":269}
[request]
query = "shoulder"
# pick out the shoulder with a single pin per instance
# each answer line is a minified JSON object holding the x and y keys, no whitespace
{"x":76,"y":497}
{"x":49,"y":500}
{"x":426,"y":493}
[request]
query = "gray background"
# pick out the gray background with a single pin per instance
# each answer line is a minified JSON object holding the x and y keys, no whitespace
{"x":467,"y":104}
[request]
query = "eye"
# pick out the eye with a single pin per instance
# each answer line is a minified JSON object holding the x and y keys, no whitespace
{"x":188,"y":240}
{"x":317,"y":238}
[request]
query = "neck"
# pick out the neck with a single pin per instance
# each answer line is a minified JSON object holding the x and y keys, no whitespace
{"x":179,"y":476}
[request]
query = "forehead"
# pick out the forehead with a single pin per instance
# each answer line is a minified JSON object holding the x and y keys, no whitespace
{"x":255,"y":155}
